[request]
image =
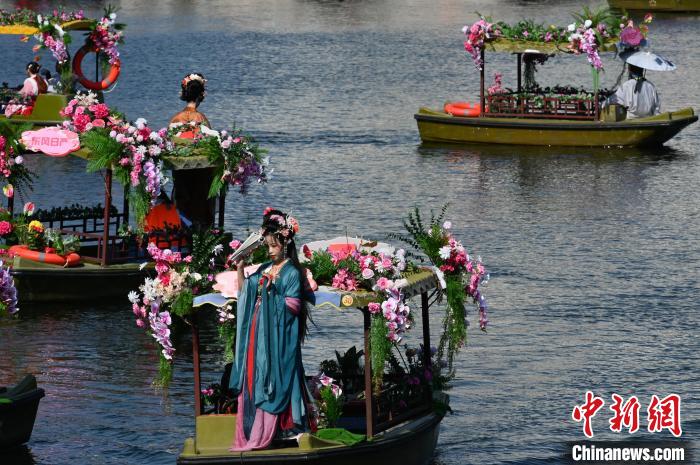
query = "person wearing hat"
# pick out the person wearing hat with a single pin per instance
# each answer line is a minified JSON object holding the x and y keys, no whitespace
{"x":637,"y":95}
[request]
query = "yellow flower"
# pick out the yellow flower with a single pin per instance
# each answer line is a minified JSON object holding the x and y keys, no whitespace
{"x":36,"y":226}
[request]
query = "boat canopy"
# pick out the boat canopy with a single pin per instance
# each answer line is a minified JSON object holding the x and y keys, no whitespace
{"x":526,"y":46}
{"x":76,"y":25}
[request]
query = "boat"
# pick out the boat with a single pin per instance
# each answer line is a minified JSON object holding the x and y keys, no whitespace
{"x":656,"y":5}
{"x":18,"y":408}
{"x":408,"y":437}
{"x":531,"y":116}
{"x":45,"y":109}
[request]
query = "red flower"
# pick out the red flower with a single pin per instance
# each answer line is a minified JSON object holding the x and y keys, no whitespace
{"x":306,"y":251}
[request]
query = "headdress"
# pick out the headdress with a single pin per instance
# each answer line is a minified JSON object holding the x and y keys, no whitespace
{"x":193,"y":77}
{"x":284,"y":224}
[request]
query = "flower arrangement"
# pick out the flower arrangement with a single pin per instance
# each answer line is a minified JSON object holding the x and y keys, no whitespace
{"x":25,"y":228}
{"x":329,"y":395}
{"x":633,"y":37}
{"x":132,"y":150}
{"x":238,"y":160}
{"x":8,"y":292}
{"x":477,"y":34}
{"x":106,"y":35}
{"x":170,"y":294}
{"x":460,"y":276}
{"x":497,"y":87}
{"x":13,"y":171}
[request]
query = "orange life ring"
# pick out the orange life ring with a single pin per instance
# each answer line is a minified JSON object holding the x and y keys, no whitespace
{"x":111,"y":78}
{"x":72,"y":259}
{"x":463,"y":109}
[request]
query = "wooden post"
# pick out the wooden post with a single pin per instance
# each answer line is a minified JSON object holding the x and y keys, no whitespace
{"x":108,"y":206}
{"x":427,"y":359}
{"x":125,"y":207}
{"x":520,"y":72}
{"x":369,"y":394}
{"x":482,"y":100}
{"x":196,"y":368}
{"x":222,"y":208}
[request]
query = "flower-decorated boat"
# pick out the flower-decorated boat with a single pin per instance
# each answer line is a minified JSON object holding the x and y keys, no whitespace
{"x":52,"y":32}
{"x":559,"y":116}
{"x":656,"y":5}
{"x":88,"y":252}
{"x":369,"y":406}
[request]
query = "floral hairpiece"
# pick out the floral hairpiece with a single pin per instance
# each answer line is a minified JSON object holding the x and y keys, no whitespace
{"x":193,"y":77}
{"x":288,"y":224}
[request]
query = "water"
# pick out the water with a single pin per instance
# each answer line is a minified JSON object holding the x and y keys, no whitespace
{"x":593,"y":253}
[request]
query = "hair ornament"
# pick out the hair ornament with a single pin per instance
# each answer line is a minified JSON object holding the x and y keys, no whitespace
{"x":193,"y":77}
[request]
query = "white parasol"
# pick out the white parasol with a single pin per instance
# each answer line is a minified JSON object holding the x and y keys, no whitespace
{"x":649,"y":60}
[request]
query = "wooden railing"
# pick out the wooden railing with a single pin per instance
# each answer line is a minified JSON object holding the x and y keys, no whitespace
{"x":542,"y":106}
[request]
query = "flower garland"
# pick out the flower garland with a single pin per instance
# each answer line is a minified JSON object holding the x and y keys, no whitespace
{"x":460,"y":277}
{"x":170,"y":294}
{"x":477,"y":34}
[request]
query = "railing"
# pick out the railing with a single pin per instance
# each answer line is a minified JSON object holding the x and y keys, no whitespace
{"x":542,"y":106}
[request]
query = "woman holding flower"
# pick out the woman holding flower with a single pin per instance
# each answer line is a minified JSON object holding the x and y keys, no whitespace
{"x":267,"y":374}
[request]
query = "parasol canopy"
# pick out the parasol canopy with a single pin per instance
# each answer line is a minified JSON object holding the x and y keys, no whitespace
{"x":649,"y":60}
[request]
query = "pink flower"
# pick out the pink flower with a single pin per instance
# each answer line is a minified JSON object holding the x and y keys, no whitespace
{"x":9,"y":191}
{"x":367,"y":273}
{"x":140,"y":323}
{"x":384,"y":283}
{"x":5,"y":228}
{"x":234,"y":244}
{"x":631,"y":36}
{"x":374,"y":307}
{"x":98,"y":123}
{"x":29,"y":208}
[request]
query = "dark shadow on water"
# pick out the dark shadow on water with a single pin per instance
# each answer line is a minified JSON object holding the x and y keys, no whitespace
{"x":21,"y":455}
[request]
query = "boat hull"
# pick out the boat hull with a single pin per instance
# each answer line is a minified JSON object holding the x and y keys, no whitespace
{"x":51,"y":283}
{"x":412,"y":443}
{"x":438,"y":126}
{"x":17,"y":417}
{"x":656,"y":5}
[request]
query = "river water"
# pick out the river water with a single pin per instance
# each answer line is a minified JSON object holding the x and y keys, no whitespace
{"x":593,"y":254}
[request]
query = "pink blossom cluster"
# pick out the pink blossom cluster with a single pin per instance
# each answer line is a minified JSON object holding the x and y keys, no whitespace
{"x":454,"y":260}
{"x":584,"y":39}
{"x":5,"y":228}
{"x":375,"y":268}
{"x":141,"y":155}
{"x":106,"y":38}
{"x":86,"y":113}
{"x":395,"y":312}
{"x":241,"y":165}
{"x":322,"y":381}
{"x":8,"y":162}
{"x":497,"y":88}
{"x":477,"y":34}
{"x":56,"y":45}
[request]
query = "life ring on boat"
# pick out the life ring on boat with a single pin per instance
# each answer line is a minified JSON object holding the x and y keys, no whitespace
{"x":72,"y":259}
{"x":111,"y":78}
{"x":463,"y":109}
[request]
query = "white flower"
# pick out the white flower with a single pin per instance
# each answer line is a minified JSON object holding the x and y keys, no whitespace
{"x":218,"y":248}
{"x":143,"y":265}
{"x":39,"y":19}
{"x":465,"y":29}
{"x":571,"y":27}
{"x":266,"y":161}
{"x":112,"y":16}
{"x":588,"y":23}
{"x":154,"y":150}
{"x":209,"y":132}
{"x":59,"y":29}
{"x":445,"y":252}
{"x":447,"y":225}
{"x":112,"y":133}
{"x":46,"y":22}
{"x":141,"y":150}
{"x":140,"y":123}
{"x":196,"y":276}
{"x":19,"y":159}
{"x":133,"y":297}
{"x":226,"y":143}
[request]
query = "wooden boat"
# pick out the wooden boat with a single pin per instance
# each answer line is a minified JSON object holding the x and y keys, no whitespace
{"x":438,"y":126}
{"x":111,"y":265}
{"x":656,"y":5}
{"x":409,"y":437}
{"x":523,"y":119}
{"x":18,"y":407}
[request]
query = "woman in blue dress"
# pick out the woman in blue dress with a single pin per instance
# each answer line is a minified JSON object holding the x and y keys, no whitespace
{"x":267,"y":373}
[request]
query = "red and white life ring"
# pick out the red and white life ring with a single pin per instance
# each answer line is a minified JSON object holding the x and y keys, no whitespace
{"x":107,"y":82}
{"x":463,"y":109}
{"x":72,"y":259}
